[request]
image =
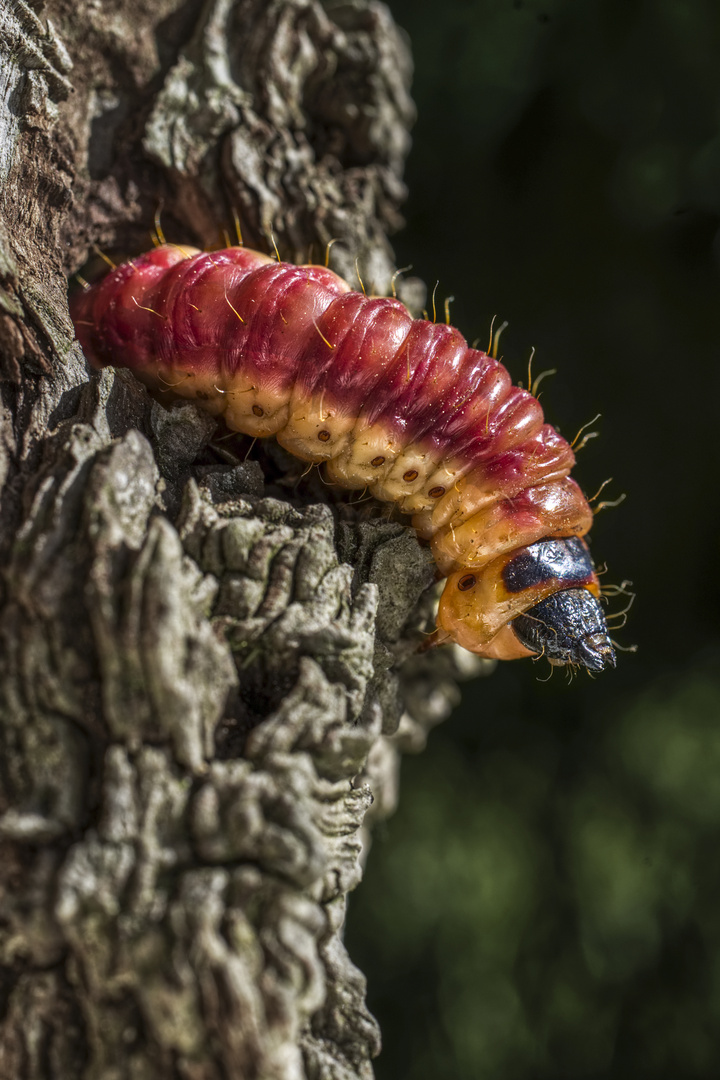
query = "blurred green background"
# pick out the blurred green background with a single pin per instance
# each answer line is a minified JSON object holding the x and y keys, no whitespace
{"x":546,"y":901}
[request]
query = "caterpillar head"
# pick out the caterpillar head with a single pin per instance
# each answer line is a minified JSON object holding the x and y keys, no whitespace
{"x":540,"y":600}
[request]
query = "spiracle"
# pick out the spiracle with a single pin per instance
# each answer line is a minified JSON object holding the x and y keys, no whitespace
{"x":400,"y":406}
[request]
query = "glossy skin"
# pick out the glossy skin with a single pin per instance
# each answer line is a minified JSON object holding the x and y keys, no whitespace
{"x":398,"y":405}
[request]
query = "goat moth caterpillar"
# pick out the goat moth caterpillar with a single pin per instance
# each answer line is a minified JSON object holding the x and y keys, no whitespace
{"x":401,"y":406}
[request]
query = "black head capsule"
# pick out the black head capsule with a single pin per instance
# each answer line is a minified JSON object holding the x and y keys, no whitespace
{"x":569,"y":628}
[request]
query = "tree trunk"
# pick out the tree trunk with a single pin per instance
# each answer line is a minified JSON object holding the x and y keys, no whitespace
{"x":204,"y":656}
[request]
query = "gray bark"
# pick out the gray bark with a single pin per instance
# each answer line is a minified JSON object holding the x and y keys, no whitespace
{"x":208,"y":665}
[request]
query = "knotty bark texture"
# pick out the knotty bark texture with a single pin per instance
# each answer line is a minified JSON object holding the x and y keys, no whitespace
{"x":208,"y":662}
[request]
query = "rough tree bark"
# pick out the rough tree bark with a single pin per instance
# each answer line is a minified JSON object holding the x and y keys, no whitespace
{"x":204,"y":659}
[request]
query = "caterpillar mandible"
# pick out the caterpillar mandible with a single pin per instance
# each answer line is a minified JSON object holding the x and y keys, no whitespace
{"x":401,"y":406}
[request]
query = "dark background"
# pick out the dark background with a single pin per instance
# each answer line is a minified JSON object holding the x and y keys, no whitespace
{"x":545,"y":903}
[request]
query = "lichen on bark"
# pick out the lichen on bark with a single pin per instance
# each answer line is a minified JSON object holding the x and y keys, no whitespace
{"x":208,"y":663}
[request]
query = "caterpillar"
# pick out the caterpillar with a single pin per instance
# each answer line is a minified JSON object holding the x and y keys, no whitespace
{"x":400,"y":406}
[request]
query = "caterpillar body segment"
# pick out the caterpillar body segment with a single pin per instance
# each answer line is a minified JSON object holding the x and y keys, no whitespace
{"x":401,"y":406}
